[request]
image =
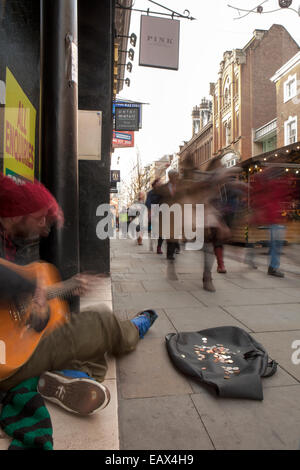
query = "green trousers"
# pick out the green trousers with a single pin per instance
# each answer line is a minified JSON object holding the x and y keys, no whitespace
{"x":81,"y":344}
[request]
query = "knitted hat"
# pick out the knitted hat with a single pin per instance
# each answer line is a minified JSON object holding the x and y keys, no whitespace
{"x":24,"y":199}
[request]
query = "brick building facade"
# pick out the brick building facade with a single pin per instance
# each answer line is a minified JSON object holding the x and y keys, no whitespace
{"x":244,"y":98}
{"x":287,"y":80}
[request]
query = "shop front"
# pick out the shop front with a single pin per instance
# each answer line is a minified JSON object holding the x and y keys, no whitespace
{"x":284,"y":162}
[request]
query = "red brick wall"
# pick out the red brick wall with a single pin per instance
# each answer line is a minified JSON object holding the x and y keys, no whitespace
{"x":275,"y":49}
{"x":258,"y":94}
{"x":200,"y":148}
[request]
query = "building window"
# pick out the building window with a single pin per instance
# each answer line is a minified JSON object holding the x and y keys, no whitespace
{"x":230,"y":159}
{"x":290,"y":88}
{"x":290,"y":130}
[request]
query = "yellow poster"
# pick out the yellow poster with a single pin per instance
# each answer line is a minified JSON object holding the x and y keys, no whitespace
{"x":19,"y":131}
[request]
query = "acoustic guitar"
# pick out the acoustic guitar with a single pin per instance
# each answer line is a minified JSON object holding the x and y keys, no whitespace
{"x":18,"y":336}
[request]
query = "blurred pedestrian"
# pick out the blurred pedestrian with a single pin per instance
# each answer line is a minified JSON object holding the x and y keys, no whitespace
{"x":139,"y":223}
{"x":123,"y":221}
{"x":154,"y":198}
{"x":168,"y":196}
{"x":269,"y":190}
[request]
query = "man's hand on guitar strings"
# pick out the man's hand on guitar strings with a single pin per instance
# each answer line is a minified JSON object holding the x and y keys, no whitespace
{"x":86,"y":283}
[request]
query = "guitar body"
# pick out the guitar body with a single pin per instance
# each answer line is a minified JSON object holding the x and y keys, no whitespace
{"x":19,"y":341}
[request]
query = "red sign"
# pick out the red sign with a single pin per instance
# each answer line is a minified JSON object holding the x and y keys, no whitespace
{"x":123,"y":139}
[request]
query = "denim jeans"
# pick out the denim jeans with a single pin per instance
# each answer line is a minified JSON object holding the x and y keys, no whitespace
{"x":277,"y":233}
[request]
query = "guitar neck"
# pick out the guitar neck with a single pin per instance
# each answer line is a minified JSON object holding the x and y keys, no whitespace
{"x":63,"y":290}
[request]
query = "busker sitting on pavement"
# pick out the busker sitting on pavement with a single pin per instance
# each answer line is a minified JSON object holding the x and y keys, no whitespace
{"x":71,"y":360}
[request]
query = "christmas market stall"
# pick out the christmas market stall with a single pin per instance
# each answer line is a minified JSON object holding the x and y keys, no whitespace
{"x":286,"y":161}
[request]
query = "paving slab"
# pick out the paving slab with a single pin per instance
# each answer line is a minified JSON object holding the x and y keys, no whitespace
{"x":292,"y":292}
{"x":148,"y":372}
{"x":161,"y":423}
{"x":158,"y":286}
{"x":184,"y":285}
{"x":279,"y":347}
{"x":155,"y":268}
{"x":253,"y":425}
{"x":268,"y":317}
{"x":200,"y":318}
{"x":239,"y":296}
{"x":142,"y":301}
{"x":131,"y":286}
{"x":267,"y":282}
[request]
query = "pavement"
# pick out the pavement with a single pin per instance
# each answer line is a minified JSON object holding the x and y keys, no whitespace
{"x":155,"y":407}
{"x":160,"y":408}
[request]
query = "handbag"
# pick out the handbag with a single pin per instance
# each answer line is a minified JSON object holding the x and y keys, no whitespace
{"x":225,"y":358}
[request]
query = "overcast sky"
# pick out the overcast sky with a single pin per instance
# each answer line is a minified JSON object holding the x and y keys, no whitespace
{"x":173,"y":94}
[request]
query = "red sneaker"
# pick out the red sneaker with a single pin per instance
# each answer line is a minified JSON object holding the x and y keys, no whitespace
{"x":159,"y":250}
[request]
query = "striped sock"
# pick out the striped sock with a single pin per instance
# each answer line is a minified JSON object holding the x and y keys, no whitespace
{"x":25,"y":418}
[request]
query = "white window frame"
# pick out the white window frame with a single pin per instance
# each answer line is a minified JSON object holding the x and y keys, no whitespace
{"x":286,"y":95}
{"x":287,"y":124}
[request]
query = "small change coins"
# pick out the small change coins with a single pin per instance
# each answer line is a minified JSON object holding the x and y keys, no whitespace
{"x":220,"y":355}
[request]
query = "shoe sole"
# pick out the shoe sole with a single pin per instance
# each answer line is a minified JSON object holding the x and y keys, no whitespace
{"x":82,"y":396}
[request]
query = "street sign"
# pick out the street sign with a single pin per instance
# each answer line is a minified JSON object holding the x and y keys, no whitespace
{"x":159,"y":42}
{"x":123,"y":139}
{"x":127,"y":119}
{"x":115,"y":176}
{"x":112,"y":190}
{"x":127,"y":104}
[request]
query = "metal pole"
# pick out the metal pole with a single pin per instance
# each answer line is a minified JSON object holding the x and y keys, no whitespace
{"x":58,"y":129}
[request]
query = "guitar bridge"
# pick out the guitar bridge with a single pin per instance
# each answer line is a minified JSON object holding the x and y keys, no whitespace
{"x":17,"y":312}
{"x":15,"y":315}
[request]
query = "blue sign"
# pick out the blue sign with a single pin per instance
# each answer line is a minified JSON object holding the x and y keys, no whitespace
{"x":126,"y":104}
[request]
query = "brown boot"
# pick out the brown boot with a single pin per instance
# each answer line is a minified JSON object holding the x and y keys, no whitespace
{"x":207,"y":283}
{"x":219,"y":255}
